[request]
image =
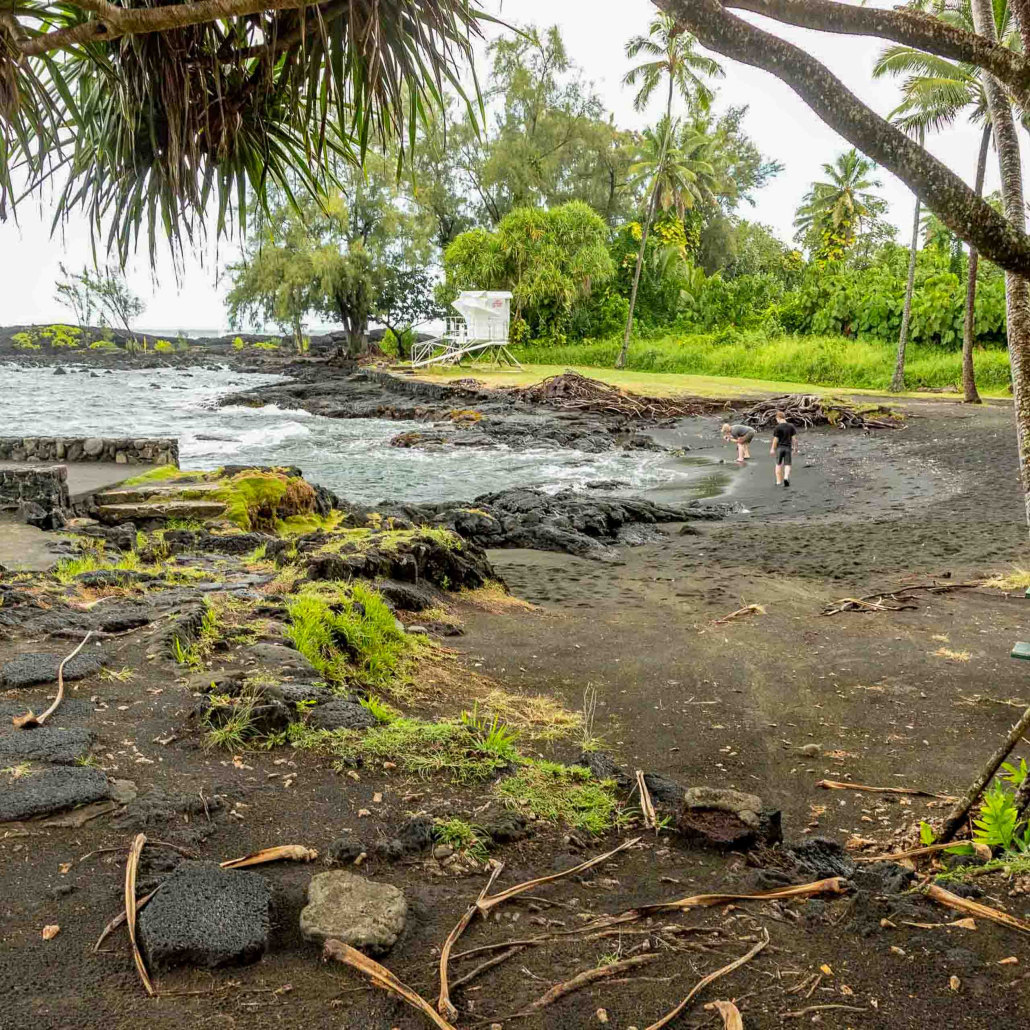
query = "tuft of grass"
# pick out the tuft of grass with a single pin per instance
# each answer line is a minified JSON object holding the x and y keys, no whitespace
{"x":427,"y":748}
{"x":232,"y":727}
{"x":88,"y":761}
{"x":562,"y":794}
{"x":16,"y":772}
{"x":495,"y":598}
{"x":384,"y":713}
{"x":120,"y":675}
{"x":158,"y":475}
{"x":952,"y":656}
{"x":463,"y":837}
{"x":1017,"y":579}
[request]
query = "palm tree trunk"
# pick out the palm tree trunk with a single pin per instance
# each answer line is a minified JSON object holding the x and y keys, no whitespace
{"x":898,"y":382}
{"x":620,"y":361}
{"x":969,"y":390}
{"x":1017,"y":287}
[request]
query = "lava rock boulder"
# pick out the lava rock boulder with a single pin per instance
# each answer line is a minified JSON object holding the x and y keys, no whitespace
{"x":207,"y":916}
{"x":27,"y":670}
{"x":720,"y":818}
{"x":341,"y":715}
{"x":346,"y":907}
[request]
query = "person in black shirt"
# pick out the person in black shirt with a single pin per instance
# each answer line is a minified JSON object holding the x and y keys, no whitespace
{"x":783,"y":448}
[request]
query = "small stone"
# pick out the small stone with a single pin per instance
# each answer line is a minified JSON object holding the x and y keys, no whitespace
{"x":954,"y":982}
{"x":363,"y":813}
{"x":898,"y":951}
{"x":442,"y":851}
{"x":346,"y":907}
{"x":602,"y":1016}
{"x":811,"y":750}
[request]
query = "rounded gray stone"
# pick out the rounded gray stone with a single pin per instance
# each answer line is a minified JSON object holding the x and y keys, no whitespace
{"x":93,"y":446}
{"x":44,"y":744}
{"x":41,"y":791}
{"x":207,"y":916}
{"x":26,"y":670}
{"x":341,"y":715}
{"x":346,"y":907}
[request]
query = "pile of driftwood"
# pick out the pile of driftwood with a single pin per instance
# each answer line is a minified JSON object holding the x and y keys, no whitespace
{"x":576,"y":392}
{"x":807,"y":410}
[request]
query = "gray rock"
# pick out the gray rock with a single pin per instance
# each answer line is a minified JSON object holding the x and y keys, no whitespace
{"x":157,"y":807}
{"x":343,"y":851}
{"x":60,"y":371}
{"x":279,"y":657}
{"x":294,"y":692}
{"x":26,"y":670}
{"x":93,"y":446}
{"x":73,"y":709}
{"x":341,"y":715}
{"x":33,"y":514}
{"x":47,"y":789}
{"x":207,"y":916}
{"x":715,"y":817}
{"x":346,"y":907}
{"x":45,"y":744}
{"x":408,"y":597}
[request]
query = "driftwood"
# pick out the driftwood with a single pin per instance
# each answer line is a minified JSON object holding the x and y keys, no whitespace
{"x":575,"y":392}
{"x":710,"y":978}
{"x":874,"y":603}
{"x":29,"y":720}
{"x":283,"y":852}
{"x":973,"y":908}
{"x":489,"y":964}
{"x":731,"y":1019}
{"x":835,"y":785}
{"x":382,"y":977}
{"x":443,"y":1003}
{"x":485,"y":904}
{"x":930,"y":849}
{"x":957,"y":816}
{"x":807,"y":410}
{"x":130,"y":909}
{"x":646,"y":804}
{"x":122,"y":917}
{"x":748,"y":609}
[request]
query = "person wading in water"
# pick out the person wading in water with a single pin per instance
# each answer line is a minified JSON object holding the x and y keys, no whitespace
{"x":742,"y":437}
{"x":783,"y":448}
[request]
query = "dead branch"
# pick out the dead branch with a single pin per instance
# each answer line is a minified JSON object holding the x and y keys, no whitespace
{"x":973,"y":908}
{"x":820,"y":1008}
{"x":835,"y":785}
{"x":485,"y":904}
{"x":443,"y":1003}
{"x":488,"y":964}
{"x":710,"y":978}
{"x":382,"y":977}
{"x":748,"y":609}
{"x":122,"y":916}
{"x":646,"y":805}
{"x":29,"y":720}
{"x":730,"y":1014}
{"x":916,"y":852}
{"x":283,"y":852}
{"x":579,"y":981}
{"x":957,"y":816}
{"x":130,"y":908}
{"x":807,"y":410}
{"x":879,"y":604}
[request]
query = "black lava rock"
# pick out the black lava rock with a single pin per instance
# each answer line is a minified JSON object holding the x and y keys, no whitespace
{"x":341,"y":715}
{"x":50,"y":789}
{"x":820,"y":858}
{"x":44,"y":744}
{"x":26,"y":670}
{"x":508,"y":827}
{"x":344,"y":850}
{"x":417,"y":834}
{"x":207,"y":916}
{"x":883,"y":878}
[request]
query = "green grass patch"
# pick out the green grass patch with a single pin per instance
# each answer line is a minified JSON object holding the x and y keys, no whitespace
{"x":562,"y":794}
{"x":230,"y":721}
{"x":159,"y":475}
{"x":258,"y":500}
{"x":363,"y":538}
{"x":463,"y":837}
{"x":831,"y":361}
{"x":349,"y":634}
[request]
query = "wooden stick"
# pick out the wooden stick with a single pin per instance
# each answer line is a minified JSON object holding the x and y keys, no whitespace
{"x":580,"y":980}
{"x":820,"y":1008}
{"x":130,"y":908}
{"x":973,"y":908}
{"x":710,"y":978}
{"x":835,"y":785}
{"x":957,"y":816}
{"x":914,"y":852}
{"x":485,"y":904}
{"x":292,"y":852}
{"x":121,"y":917}
{"x":443,"y":1002}
{"x":646,"y":805}
{"x":488,"y":964}
{"x":29,"y":720}
{"x":731,"y":1019}
{"x":382,"y":977}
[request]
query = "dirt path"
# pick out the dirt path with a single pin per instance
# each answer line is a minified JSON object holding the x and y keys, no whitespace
{"x":722,"y":705}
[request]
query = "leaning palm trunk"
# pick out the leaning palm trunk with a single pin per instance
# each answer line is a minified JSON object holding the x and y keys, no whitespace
{"x":971,"y":394}
{"x":1017,"y":288}
{"x":621,"y":360}
{"x":898,"y":382}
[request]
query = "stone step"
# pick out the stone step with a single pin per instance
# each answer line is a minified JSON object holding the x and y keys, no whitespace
{"x":151,"y":491}
{"x":112,"y":514}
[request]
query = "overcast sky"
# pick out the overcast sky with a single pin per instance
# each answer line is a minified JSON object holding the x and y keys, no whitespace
{"x":780,"y":123}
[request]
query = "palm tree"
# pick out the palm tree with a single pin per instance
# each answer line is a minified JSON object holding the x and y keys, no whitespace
{"x":844,"y":201}
{"x":935,"y":93}
{"x":674,"y":55}
{"x":897,"y":384}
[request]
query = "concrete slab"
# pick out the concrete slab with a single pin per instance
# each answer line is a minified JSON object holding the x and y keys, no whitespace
{"x":26,"y":548}
{"x":87,"y":477}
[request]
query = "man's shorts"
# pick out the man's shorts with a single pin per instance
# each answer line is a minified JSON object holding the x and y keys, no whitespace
{"x":783,"y":455}
{"x":746,"y":438}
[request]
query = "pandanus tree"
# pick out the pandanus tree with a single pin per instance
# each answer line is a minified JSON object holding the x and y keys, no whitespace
{"x":146,"y":116}
{"x":936,"y":93}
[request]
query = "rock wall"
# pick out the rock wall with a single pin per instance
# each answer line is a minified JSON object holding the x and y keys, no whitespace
{"x":47,"y":487}
{"x":125,"y":450}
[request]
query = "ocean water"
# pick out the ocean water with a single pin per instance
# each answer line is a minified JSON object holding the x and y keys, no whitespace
{"x":351,"y":456}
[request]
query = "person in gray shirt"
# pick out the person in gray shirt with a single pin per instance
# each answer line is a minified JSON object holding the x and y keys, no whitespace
{"x":742,"y":437}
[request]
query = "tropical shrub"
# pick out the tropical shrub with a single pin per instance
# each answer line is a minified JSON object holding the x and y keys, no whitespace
{"x":164,"y":347}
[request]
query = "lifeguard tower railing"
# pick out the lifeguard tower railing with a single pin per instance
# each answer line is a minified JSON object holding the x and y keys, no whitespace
{"x":479,"y":335}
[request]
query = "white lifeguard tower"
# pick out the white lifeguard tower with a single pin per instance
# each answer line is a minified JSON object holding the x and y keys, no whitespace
{"x":479,"y":333}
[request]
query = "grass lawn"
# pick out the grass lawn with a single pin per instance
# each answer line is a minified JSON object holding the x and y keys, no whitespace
{"x":666,"y":384}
